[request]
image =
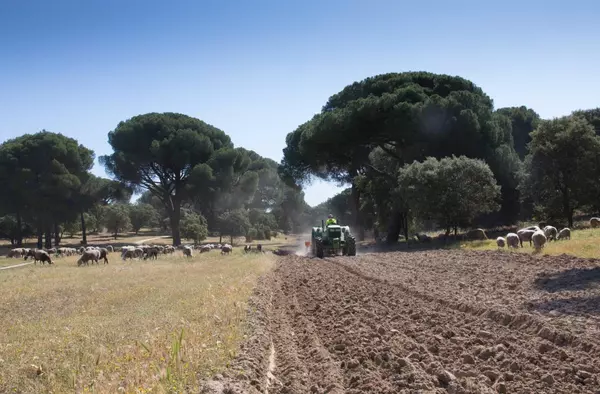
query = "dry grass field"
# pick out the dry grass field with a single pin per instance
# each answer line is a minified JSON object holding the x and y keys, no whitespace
{"x":132,"y":327}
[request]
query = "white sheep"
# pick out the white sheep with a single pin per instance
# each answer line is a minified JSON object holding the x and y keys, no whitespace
{"x":565,"y":233}
{"x":595,"y":222}
{"x":226,"y":249}
{"x":525,"y":235}
{"x":550,"y":232}
{"x":187,"y":251}
{"x":512,"y":240}
{"x":89,"y":255}
{"x":539,"y":239}
{"x":501,"y":242}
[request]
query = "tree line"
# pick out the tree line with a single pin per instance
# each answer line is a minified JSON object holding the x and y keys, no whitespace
{"x":421,"y":149}
{"x":191,"y":179}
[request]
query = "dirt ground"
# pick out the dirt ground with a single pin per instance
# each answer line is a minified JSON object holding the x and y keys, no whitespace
{"x":423,"y":322}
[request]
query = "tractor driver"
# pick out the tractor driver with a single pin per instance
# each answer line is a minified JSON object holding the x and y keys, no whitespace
{"x":330,"y":220}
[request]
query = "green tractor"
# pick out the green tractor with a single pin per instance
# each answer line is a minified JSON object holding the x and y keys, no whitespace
{"x":332,"y":240}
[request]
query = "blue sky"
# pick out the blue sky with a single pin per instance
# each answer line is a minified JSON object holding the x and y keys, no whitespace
{"x":258,"y":69}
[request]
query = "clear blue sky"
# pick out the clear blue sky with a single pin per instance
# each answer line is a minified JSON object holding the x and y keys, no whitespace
{"x":258,"y":69}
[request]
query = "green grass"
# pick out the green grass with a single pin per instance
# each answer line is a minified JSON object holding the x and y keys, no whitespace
{"x":583,"y":243}
{"x":145,"y":326}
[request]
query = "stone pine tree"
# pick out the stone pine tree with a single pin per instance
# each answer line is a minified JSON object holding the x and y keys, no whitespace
{"x":165,"y":153}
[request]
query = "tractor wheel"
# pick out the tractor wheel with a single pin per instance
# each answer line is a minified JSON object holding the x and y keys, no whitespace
{"x":351,"y":246}
{"x":319,"y":248}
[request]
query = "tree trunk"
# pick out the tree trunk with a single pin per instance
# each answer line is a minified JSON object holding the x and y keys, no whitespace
{"x":455,"y":231}
{"x":40,"y":236}
{"x":56,"y":234}
{"x":116,"y":235}
{"x":394,"y":227}
{"x":568,"y":212}
{"x":83,"y":232}
{"x":220,"y":238}
{"x":19,"y":235}
{"x":356,"y":211}
{"x":231,"y":238}
{"x":405,"y":226}
{"x":175,"y":218}
{"x":48,"y":239}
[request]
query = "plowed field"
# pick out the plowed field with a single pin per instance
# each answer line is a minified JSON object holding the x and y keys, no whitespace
{"x":423,"y":322}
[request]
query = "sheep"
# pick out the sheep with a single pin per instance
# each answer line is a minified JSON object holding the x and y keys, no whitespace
{"x":151,"y":253}
{"x":39,"y":255}
{"x":512,"y":240}
{"x":226,"y":249}
{"x":17,"y":252}
{"x":187,"y":251}
{"x":534,"y":228}
{"x":205,"y":249}
{"x":89,"y":255}
{"x":501,"y":242}
{"x":169,"y":249}
{"x":595,"y":222}
{"x":110,"y":249}
{"x":539,"y":239}
{"x":104,"y":254}
{"x":565,"y":233}
{"x":525,"y":235}
{"x":550,"y":232}
{"x":127,"y":254}
{"x":423,"y":237}
{"x":81,"y":250}
{"x":476,"y":234}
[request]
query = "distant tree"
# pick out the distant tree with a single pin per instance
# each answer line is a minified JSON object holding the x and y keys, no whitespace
{"x":193,"y":226}
{"x":450,"y":191}
{"x":116,"y":218}
{"x":523,"y":121}
{"x":173,"y":156}
{"x":72,"y":227}
{"x":42,"y":175}
{"x":592,"y":116}
{"x":563,"y":167}
{"x":234,"y":223}
{"x":142,"y":215}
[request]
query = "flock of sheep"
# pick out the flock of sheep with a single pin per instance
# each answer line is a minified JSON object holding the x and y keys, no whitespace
{"x":94,"y":254}
{"x":534,"y":235}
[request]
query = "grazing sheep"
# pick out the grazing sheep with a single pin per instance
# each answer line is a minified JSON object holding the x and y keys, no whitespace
{"x":226,"y":249}
{"x":525,"y":235}
{"x":476,"y":234}
{"x":187,"y":251}
{"x":259,"y":247}
{"x":89,"y":255}
{"x":501,"y":242}
{"x":17,"y":252}
{"x":81,"y":250}
{"x":104,"y":254}
{"x":151,"y":253}
{"x":205,"y":248}
{"x":534,"y":228}
{"x":512,"y":240}
{"x":550,"y":232}
{"x":127,"y":254}
{"x":423,"y":237}
{"x":39,"y":255}
{"x":110,"y":248}
{"x":595,"y":222}
{"x":539,"y":239}
{"x":565,"y":233}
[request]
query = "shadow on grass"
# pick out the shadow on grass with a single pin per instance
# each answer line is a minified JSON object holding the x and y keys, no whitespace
{"x":572,"y":279}
{"x":569,"y":306}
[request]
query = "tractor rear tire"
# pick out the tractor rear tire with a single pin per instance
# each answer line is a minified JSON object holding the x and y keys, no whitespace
{"x":319,"y":248}
{"x":351,"y":246}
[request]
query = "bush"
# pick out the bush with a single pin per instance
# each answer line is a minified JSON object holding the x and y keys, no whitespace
{"x":193,"y":226}
{"x":251,"y":235}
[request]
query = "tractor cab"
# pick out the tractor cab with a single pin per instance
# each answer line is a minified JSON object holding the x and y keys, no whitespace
{"x":332,"y":240}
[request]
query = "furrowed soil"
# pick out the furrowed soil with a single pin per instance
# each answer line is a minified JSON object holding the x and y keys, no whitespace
{"x":423,"y":322}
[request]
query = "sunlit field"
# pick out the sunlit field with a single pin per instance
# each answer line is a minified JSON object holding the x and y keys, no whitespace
{"x":123,"y":327}
{"x":583,"y":243}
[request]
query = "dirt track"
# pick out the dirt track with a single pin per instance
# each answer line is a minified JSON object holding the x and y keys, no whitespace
{"x":429,"y":322}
